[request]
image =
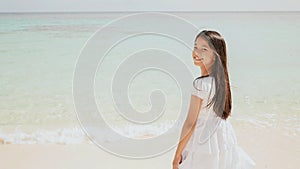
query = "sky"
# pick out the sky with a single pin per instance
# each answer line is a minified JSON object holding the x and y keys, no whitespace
{"x":149,"y":5}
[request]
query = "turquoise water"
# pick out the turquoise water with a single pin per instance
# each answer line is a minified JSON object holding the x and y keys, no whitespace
{"x":38,"y":54}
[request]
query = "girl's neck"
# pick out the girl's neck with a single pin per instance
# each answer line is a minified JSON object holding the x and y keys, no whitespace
{"x":204,"y":72}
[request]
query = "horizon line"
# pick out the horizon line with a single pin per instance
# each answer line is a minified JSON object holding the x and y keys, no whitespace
{"x":226,"y":11}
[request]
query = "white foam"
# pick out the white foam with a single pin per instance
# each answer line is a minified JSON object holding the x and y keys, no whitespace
{"x":42,"y":136}
{"x":77,"y":135}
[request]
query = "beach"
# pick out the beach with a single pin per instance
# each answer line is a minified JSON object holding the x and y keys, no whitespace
{"x":39,"y":124}
{"x":269,"y":148}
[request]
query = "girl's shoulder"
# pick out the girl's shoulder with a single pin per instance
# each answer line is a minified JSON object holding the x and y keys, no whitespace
{"x":204,"y":82}
{"x":202,"y":86}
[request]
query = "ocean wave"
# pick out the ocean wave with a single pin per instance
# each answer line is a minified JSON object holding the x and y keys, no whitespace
{"x":42,"y":136}
{"x":77,"y":135}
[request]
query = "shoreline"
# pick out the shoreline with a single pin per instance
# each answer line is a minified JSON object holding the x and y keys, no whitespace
{"x":269,"y":148}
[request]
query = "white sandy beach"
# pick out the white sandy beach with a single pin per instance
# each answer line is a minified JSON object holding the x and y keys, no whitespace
{"x":268,"y":148}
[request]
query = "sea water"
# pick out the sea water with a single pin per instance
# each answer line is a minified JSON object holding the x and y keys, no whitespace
{"x":38,"y":54}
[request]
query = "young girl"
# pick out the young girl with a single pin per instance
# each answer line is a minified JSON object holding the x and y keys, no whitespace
{"x":208,"y":140}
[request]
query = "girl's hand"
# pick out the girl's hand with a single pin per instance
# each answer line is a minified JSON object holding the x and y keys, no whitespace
{"x":177,"y":161}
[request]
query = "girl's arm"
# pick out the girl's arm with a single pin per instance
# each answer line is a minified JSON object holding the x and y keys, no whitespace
{"x":189,"y":124}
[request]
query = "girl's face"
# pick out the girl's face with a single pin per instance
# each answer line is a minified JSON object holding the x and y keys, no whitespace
{"x":202,"y":54}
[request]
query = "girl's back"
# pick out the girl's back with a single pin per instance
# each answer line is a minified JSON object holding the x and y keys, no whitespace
{"x":213,"y":144}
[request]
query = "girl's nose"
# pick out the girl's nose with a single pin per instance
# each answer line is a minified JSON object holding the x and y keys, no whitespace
{"x":194,"y":54}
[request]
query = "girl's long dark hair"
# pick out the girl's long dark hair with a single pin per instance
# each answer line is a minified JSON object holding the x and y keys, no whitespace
{"x":222,"y":98}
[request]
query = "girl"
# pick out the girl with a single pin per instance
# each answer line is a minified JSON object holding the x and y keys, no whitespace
{"x":208,"y":140}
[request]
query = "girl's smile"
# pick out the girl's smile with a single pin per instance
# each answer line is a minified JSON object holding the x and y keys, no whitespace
{"x":196,"y":58}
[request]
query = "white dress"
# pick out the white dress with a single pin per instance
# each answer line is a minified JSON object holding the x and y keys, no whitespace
{"x":213,"y":144}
